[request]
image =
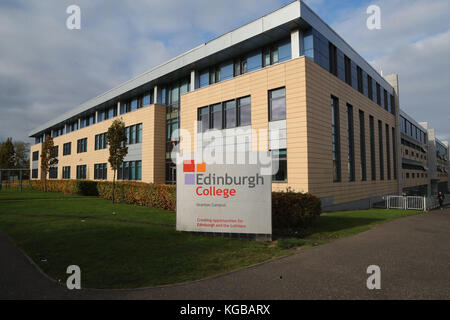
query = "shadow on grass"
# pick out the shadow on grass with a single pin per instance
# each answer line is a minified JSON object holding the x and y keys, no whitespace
{"x":329,"y":226}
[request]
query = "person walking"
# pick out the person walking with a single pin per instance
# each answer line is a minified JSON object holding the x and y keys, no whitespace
{"x":441,"y":198}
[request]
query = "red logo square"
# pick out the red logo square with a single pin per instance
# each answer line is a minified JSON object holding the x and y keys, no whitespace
{"x":189,"y":166}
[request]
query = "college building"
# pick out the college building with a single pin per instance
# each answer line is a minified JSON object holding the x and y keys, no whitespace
{"x":342,"y":135}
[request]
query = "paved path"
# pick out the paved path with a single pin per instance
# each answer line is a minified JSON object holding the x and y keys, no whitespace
{"x":413,"y":254}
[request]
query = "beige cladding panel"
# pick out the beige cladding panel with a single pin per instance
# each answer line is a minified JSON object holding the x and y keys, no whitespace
{"x":320,"y":85}
{"x":290,"y":75}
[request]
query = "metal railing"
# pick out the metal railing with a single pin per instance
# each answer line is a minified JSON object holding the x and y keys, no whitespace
{"x":414,"y":202}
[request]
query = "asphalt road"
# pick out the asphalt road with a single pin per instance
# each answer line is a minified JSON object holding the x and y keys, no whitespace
{"x":413,"y":254}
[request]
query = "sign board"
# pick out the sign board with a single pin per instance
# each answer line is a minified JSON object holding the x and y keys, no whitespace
{"x":223,"y":198}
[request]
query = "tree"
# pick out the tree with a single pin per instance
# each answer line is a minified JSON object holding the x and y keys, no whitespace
{"x":117,"y":140}
{"x":48,"y":159}
{"x":7,"y":154}
{"x":22,"y":159}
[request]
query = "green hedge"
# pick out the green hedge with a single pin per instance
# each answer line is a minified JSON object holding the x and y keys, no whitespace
{"x":293,"y":210}
{"x":290,"y":210}
{"x":137,"y":193}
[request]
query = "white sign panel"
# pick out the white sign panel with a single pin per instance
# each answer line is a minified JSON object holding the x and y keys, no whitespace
{"x":223,"y":198}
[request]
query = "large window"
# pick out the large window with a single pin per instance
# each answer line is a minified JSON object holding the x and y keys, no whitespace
{"x":270,"y":56}
{"x":386,"y":102}
{"x":130,"y":170}
{"x":82,"y":145}
{"x":394,"y":149}
{"x":134,"y":134}
{"x":34,"y":173}
{"x":351,"y":144}
{"x":240,"y":66}
{"x":362,"y":145}
{"x":388,"y":152}
{"x":373,"y":164}
{"x":380,"y":150}
{"x":100,"y":171}
{"x":214,"y":75}
{"x":335,"y":139}
{"x":244,"y":111}
{"x":101,"y":141}
{"x":369,"y":87}
{"x":67,"y":148}
{"x":229,"y":114}
{"x":216,"y":116}
{"x":36,"y":156}
{"x":280,"y":156}
{"x":360,"y":79}
{"x":81,"y":172}
{"x":378,"y":93}
{"x":332,"y":50}
{"x":53,"y":172}
{"x":393,"y":105}
{"x":348,"y":70}
{"x":66,"y":173}
{"x":203,"y":119}
{"x":277,"y":104}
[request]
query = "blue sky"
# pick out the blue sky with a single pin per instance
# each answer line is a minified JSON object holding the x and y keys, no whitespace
{"x":46,"y":69}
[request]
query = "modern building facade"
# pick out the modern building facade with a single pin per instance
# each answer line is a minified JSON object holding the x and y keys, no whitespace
{"x":338,"y":119}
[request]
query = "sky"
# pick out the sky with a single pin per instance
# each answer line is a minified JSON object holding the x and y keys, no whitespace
{"x":47,"y":69}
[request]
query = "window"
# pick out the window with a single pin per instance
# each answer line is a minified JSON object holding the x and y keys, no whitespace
{"x":124,"y":107}
{"x":134,"y":134}
{"x":351,"y":144}
{"x":146,"y":100}
{"x":214,"y":75}
{"x":332,"y":58}
{"x":67,"y":148}
{"x":270,"y":56}
{"x":378,"y":93}
{"x":36,"y":156}
{"x":360,"y":79}
{"x":53,"y":172}
{"x":82,"y":145}
{"x":130,"y":170}
{"x":386,"y":105}
{"x":101,"y":141}
{"x":34,"y":173}
{"x":362,"y":144}
{"x":244,"y":111}
{"x":100,"y":171}
{"x":240,"y":67}
{"x":66,"y":173}
{"x":370,"y":88}
{"x":134,"y":105}
{"x":407,"y":175}
{"x":55,"y":151}
{"x":81,"y":172}
{"x":277,"y":104}
{"x":281,"y":157}
{"x":393,"y":105}
{"x":230,"y":114}
{"x":388,"y":152}
{"x":216,"y":116}
{"x":380,"y":143}
{"x":394,"y":150}
{"x":348,"y":70}
{"x":111,"y":112}
{"x":372,"y":149}
{"x":203,"y":119}
{"x":335,"y":139}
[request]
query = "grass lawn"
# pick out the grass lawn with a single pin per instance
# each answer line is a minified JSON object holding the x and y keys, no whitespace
{"x":124,"y":246}
{"x":26,"y":194}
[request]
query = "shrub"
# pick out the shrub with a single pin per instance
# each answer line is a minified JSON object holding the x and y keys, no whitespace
{"x":142,"y":194}
{"x":293,"y":210}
